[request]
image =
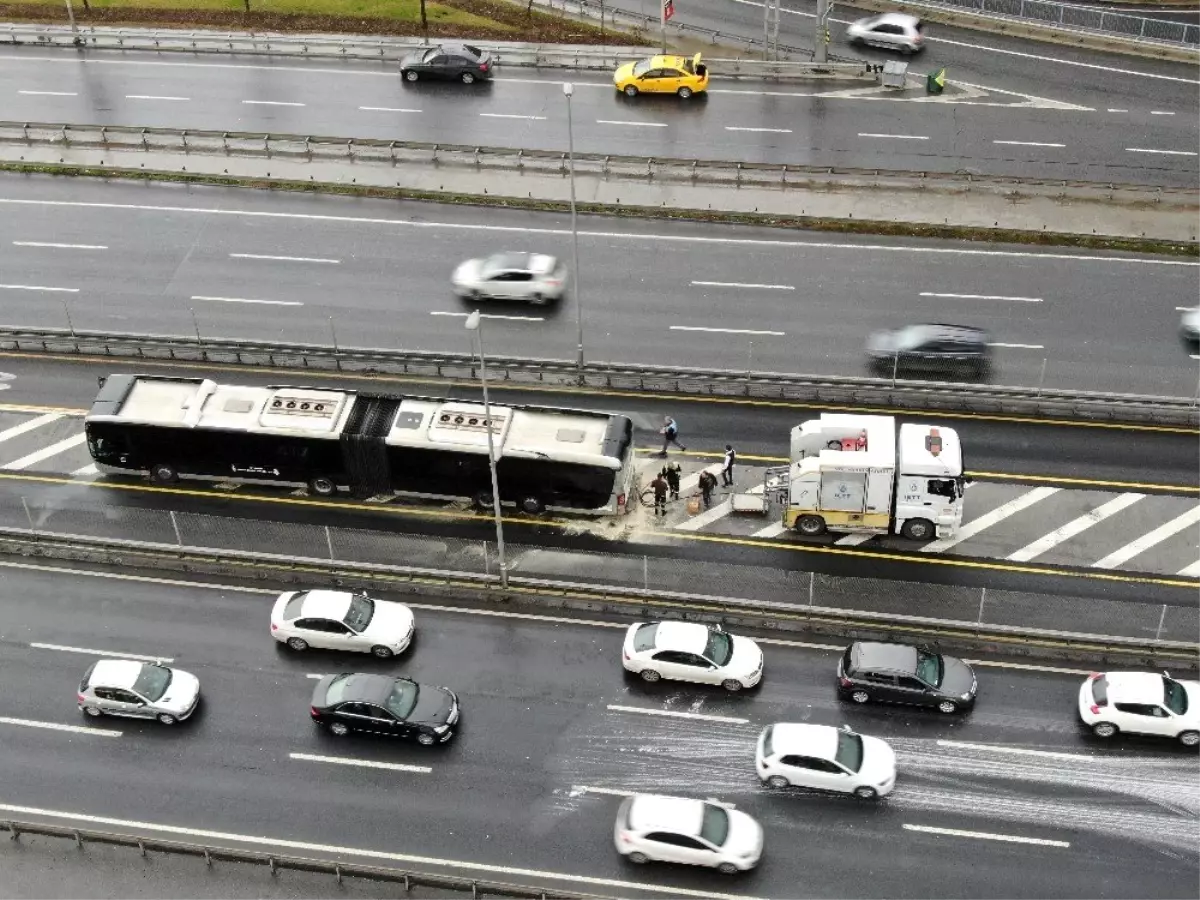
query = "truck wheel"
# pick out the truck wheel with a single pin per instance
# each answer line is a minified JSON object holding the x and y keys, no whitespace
{"x":918,"y":530}
{"x":322,"y":486}
{"x":810,"y":526}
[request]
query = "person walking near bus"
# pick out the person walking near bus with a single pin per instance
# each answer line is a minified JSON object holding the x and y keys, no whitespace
{"x":727,"y":471}
{"x":673,"y":472}
{"x":670,"y":435}
{"x":660,"y":495}
{"x":708,"y":484}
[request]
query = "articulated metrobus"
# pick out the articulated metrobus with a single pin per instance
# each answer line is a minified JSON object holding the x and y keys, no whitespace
{"x":193,"y":428}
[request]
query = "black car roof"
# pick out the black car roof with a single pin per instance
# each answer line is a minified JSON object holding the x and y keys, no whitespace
{"x":883,"y":657}
{"x":364,"y":688}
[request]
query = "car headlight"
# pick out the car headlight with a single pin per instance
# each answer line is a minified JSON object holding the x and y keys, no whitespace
{"x":441,"y":729}
{"x":966,"y":696}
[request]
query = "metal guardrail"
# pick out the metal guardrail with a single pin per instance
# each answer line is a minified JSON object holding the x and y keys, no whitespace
{"x":1077,"y":18}
{"x":660,"y":169}
{"x":831,"y":390}
{"x":277,"y":862}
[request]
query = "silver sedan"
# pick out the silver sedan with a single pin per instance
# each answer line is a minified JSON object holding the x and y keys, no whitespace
{"x":138,"y":690}
{"x":528,"y":277}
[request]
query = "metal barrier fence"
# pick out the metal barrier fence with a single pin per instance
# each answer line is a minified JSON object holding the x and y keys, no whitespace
{"x":674,"y":584}
{"x":654,"y":380}
{"x":339,"y":871}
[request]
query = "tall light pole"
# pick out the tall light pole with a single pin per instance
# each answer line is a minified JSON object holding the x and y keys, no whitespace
{"x":568,"y":90}
{"x":475,"y":323}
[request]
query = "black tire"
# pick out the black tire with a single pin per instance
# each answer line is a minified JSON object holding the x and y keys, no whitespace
{"x":1190,"y":738}
{"x":650,"y":675}
{"x":860,"y":696}
{"x":338,"y":729}
{"x":857,"y":42}
{"x":410,"y":75}
{"x":482,"y":501}
{"x":728,"y":868}
{"x":779,"y":782}
{"x":918,"y":530}
{"x":426,"y":739}
{"x":164,"y":473}
{"x":532,"y":505}
{"x":467,"y":78}
{"x":93,"y":711}
{"x":297,"y":644}
{"x":630,"y":90}
{"x":906,"y":50}
{"x":810,"y":526}
{"x":166,"y":718}
{"x":639,"y":858}
{"x":322,"y":486}
{"x":865,"y":792}
{"x":684,"y":93}
{"x":538,"y":300}
{"x":834,"y":445}
{"x":949,"y":707}
{"x":1105,"y":730}
{"x":381,"y":652}
{"x":732,"y":685}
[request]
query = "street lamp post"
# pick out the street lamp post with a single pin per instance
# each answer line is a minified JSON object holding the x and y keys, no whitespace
{"x":568,"y":90}
{"x":475,"y":323}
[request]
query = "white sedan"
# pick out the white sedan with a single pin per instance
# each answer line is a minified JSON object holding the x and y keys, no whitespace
{"x":1141,"y":703}
{"x":692,"y":832}
{"x":530,"y":277}
{"x":825,"y":758}
{"x":340,"y":620}
{"x":689,"y":651}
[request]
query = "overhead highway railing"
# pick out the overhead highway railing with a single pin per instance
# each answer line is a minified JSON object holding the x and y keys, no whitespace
{"x":627,"y":583}
{"x":1085,"y":406}
{"x":338,"y":871}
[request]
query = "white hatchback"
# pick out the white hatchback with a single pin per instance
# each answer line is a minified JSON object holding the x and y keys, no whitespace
{"x":1141,"y":703}
{"x":530,"y":277}
{"x":825,"y":758}
{"x":692,"y":832}
{"x":340,"y":620}
{"x":891,"y":31}
{"x":689,"y":651}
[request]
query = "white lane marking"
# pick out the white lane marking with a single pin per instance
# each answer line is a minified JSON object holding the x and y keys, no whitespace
{"x":1019,"y":751}
{"x":672,"y":714}
{"x":726,"y":330}
{"x":578,"y":790}
{"x":635,"y":124}
{"x":1074,"y":527}
{"x":1027,"y":144}
{"x":1156,"y":536}
{"x":1161,"y":152}
{"x":698,"y":521}
{"x":987,"y":836}
{"x":17,"y":430}
{"x":1002,"y":664}
{"x":155,"y":97}
{"x":1192,"y":571}
{"x":247,"y":300}
{"x":54,"y":726}
{"x":314,"y":676}
{"x":741,"y":284}
{"x":62,"y":648}
{"x":780,"y":642}
{"x":38,"y":287}
{"x":49,"y":93}
{"x":605,"y":235}
{"x":361,"y":763}
{"x":987,"y":520}
{"x":1159,"y":112}
{"x":458,"y":315}
{"x":894,"y":137}
{"x":1118,"y":110}
{"x":759,"y":130}
{"x":60,"y":246}
{"x":307,"y":259}
{"x":630,"y":888}
{"x":388,"y":109}
{"x":771,"y":531}
{"x":271,"y":103}
{"x":853,"y":540}
{"x":45,"y":453}
{"x":511,"y":116}
{"x":1018,"y":346}
{"x":981,"y":297}
{"x":89,"y":469}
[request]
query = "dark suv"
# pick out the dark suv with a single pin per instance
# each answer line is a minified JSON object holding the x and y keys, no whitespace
{"x":898,"y":673}
{"x":942,"y":349}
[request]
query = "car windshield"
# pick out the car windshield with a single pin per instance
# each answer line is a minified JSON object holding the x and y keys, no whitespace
{"x":719,"y":648}
{"x":153,"y":681}
{"x":930,"y":668}
{"x":849,"y":750}
{"x":643,"y":638}
{"x":641,"y":68}
{"x":361,"y":610}
{"x":715,"y":826}
{"x":403,"y":698}
{"x":912,"y":337}
{"x":1175,"y":696}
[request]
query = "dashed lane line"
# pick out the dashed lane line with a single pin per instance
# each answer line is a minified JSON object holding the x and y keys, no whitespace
{"x":674,"y":714}
{"x":55,"y":726}
{"x":359,"y":763}
{"x":579,"y":790}
{"x":987,"y":836}
{"x":86,"y":651}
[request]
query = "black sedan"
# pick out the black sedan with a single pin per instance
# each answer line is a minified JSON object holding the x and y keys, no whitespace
{"x":383,"y":704}
{"x":898,"y":673}
{"x":938,"y":349}
{"x":460,"y":62}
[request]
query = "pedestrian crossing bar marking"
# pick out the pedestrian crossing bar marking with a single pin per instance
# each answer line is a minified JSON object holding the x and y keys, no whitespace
{"x":45,"y":453}
{"x":987,"y":520}
{"x":1135,"y":548}
{"x":1075,"y":527}
{"x":18,"y":430}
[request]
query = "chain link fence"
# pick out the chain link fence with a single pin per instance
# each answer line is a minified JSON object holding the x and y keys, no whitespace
{"x":808,"y":593}
{"x":1085,"y":18}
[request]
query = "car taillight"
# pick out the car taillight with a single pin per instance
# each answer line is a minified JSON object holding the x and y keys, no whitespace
{"x":79,"y":697}
{"x":312,"y":711}
{"x":620,"y":499}
{"x":845,"y":682}
{"x":1095,"y":709}
{"x":274,"y":627}
{"x":1094,"y":676}
{"x":624,"y":656}
{"x":483,"y":67}
{"x":624,"y":837}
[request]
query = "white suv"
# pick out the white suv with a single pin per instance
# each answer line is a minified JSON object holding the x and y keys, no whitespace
{"x":1141,"y":703}
{"x":891,"y":31}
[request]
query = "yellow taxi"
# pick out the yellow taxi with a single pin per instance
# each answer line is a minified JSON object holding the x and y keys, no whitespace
{"x":663,"y":75}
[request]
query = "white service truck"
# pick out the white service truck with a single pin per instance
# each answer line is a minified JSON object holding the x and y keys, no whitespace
{"x":856,"y":474}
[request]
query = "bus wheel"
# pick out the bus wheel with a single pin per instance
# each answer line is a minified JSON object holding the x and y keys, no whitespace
{"x":532,"y":504}
{"x":483,"y":501}
{"x":322,"y":486}
{"x":163,"y":473}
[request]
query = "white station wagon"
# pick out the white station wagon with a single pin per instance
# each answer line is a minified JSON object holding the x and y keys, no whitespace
{"x":692,"y":832}
{"x":1141,"y":703}
{"x":690,"y":651}
{"x":825,"y":758}
{"x":138,"y":690}
{"x":340,"y":620}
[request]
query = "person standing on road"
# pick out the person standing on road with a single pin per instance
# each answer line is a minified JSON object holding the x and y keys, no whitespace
{"x":727,"y":470}
{"x":708,"y":484}
{"x":670,"y":435}
{"x":660,"y":495}
{"x":672,"y":471}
